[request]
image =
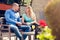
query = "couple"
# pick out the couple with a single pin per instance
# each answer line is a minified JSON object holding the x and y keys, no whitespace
{"x":13,"y":19}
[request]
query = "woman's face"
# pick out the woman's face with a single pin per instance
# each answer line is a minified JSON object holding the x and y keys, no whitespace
{"x":27,"y":9}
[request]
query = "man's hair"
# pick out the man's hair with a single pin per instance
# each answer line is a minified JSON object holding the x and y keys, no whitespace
{"x":15,"y":4}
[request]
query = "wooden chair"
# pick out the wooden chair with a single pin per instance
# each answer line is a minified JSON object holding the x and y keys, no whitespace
{"x":0,"y":29}
{"x":5,"y":29}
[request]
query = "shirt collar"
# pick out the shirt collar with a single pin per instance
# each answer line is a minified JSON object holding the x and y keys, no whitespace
{"x":13,"y":11}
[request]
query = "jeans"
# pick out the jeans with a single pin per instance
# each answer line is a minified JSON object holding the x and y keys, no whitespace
{"x":15,"y":28}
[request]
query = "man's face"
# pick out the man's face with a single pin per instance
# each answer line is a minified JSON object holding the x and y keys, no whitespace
{"x":17,"y":8}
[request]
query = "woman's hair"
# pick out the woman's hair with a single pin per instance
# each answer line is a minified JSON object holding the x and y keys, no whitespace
{"x":32,"y":15}
{"x":52,"y":12}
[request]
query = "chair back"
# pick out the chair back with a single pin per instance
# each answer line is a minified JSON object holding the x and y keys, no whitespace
{"x":2,"y":20}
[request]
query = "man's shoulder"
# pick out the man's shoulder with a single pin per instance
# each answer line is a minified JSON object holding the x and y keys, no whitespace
{"x":9,"y":10}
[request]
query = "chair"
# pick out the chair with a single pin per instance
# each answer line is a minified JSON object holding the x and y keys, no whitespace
{"x":0,"y":29}
{"x":5,"y":29}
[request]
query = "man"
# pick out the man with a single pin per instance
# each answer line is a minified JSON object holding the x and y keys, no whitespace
{"x":13,"y":19}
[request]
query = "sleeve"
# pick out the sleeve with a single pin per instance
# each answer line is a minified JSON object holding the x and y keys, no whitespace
{"x":7,"y":17}
{"x":19,"y":20}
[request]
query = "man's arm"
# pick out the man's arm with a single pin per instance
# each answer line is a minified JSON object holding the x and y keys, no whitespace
{"x":7,"y":17}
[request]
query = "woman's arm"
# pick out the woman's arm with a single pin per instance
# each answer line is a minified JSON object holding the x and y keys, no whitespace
{"x":33,"y":18}
{"x":23,"y":20}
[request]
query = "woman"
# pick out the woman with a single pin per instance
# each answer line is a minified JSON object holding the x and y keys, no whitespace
{"x":30,"y":19}
{"x":29,"y":16}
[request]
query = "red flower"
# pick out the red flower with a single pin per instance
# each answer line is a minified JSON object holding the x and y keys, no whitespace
{"x":42,"y":23}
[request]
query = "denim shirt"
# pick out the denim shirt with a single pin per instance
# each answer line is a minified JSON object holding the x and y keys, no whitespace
{"x":12,"y":17}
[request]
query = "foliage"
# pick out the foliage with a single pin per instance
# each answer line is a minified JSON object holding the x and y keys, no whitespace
{"x":46,"y":34}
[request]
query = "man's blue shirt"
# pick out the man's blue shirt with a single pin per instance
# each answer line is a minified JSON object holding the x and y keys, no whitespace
{"x":12,"y":17}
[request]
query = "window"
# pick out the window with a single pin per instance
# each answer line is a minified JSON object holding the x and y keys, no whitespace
{"x":10,"y":1}
{"x":27,"y":2}
{"x":21,"y":2}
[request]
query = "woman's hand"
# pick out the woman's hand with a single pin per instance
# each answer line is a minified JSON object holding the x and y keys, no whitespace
{"x":28,"y":23}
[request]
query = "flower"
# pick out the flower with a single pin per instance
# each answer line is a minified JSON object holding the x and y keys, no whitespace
{"x":46,"y":33}
{"x":42,"y":23}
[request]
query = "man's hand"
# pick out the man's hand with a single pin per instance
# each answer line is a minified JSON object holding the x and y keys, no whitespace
{"x":19,"y":23}
{"x":24,"y":23}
